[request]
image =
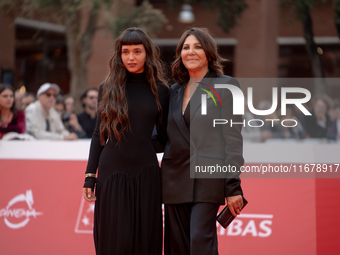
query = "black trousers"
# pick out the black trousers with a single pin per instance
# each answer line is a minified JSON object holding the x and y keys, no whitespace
{"x":190,"y":229}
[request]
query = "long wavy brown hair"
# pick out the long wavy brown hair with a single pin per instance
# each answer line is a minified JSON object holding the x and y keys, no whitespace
{"x":179,"y":72}
{"x":113,"y":105}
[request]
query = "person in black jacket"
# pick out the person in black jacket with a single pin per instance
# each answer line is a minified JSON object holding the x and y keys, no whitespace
{"x":316,"y":124}
{"x":87,"y":119}
{"x":191,"y":198}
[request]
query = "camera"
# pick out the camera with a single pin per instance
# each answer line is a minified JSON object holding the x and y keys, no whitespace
{"x":65,"y":117}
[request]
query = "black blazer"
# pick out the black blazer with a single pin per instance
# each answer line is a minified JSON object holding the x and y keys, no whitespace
{"x":201,"y":144}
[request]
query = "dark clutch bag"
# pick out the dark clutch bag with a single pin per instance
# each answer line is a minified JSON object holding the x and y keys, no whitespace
{"x":225,"y":217}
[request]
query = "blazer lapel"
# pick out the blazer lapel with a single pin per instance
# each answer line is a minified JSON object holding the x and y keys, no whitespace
{"x":195,"y":101}
{"x":177,"y":101}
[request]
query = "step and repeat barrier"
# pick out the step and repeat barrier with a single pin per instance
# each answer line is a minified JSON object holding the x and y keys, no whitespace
{"x":42,"y":210}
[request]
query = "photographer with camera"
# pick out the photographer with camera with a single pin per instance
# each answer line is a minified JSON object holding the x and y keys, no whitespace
{"x":70,"y":121}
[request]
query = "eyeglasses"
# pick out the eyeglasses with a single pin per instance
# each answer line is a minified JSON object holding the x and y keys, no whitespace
{"x":51,"y":94}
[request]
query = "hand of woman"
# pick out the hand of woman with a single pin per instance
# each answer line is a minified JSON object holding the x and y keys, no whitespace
{"x":88,"y":194}
{"x":235,"y":204}
{"x":74,"y":122}
{"x":71,"y":137}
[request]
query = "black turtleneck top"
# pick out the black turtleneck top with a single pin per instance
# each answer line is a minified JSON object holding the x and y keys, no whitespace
{"x":137,"y":150}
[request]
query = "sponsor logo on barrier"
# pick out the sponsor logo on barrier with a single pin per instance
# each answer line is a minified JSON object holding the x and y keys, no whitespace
{"x":17,"y":217}
{"x":84,"y":223}
{"x":256,"y":225}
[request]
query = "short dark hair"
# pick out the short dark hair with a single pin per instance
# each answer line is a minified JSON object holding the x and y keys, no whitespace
{"x":327,"y":100}
{"x":30,"y":94}
{"x":179,"y":72}
{"x":60,"y":100}
{"x":85,"y":95}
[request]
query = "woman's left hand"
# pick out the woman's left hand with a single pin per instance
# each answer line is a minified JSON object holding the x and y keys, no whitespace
{"x":235,"y":204}
{"x":89,"y":195}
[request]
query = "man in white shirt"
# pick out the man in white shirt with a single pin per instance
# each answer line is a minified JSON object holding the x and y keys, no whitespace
{"x":42,"y":120}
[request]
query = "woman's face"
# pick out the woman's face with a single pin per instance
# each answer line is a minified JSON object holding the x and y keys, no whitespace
{"x":60,"y":108}
{"x":69,"y":104}
{"x":6,"y":99}
{"x":26,"y":101}
{"x":134,"y":57}
{"x":193,"y":55}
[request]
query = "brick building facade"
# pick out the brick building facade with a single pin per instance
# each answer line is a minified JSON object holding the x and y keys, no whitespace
{"x":266,"y":42}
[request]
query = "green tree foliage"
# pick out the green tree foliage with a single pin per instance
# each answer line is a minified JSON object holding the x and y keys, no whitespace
{"x":146,"y":17}
{"x":228,"y":10}
{"x":80,"y":18}
{"x":302,"y":10}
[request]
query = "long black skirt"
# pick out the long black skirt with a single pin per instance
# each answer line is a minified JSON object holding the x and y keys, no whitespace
{"x":128,"y":214}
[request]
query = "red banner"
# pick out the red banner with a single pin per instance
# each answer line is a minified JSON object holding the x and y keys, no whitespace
{"x":42,"y":212}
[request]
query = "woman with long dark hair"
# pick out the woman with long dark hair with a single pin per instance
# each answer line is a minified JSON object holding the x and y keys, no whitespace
{"x":11,"y":119}
{"x":192,"y":198}
{"x":133,"y":99}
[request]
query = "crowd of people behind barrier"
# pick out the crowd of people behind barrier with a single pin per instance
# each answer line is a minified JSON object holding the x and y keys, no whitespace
{"x":46,"y":115}
{"x":50,"y":115}
{"x":323,"y":123}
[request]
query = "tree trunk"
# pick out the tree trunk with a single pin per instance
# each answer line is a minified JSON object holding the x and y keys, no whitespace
{"x":337,"y":16}
{"x":311,"y":47}
{"x":79,"y":51}
{"x":73,"y":56}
